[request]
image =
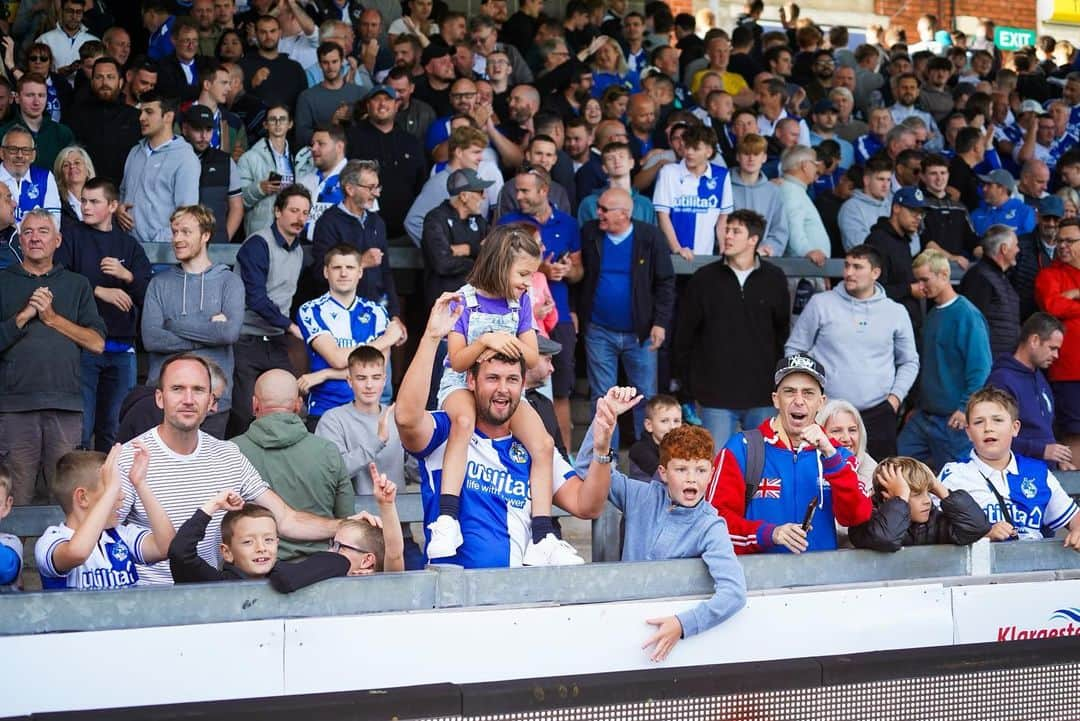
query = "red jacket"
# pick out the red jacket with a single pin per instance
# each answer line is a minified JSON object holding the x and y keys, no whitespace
{"x":789,"y":480}
{"x":1050,"y":283}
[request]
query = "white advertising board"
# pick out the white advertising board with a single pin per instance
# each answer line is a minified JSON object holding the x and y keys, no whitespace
{"x":1016,"y":611}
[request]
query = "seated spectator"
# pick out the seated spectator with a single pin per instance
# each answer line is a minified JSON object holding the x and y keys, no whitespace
{"x":270,"y":165}
{"x":10,"y":253}
{"x":30,"y":186}
{"x":751,"y":190}
{"x":1018,"y":495}
{"x":905,"y":512}
{"x":662,"y":414}
{"x":49,"y":319}
{"x":307,"y":472}
{"x":861,"y":212}
{"x":139,"y":411}
{"x":1022,"y":375}
{"x":670,"y":518}
{"x":90,"y":551}
{"x":1000,"y":207}
{"x":987,"y":286}
{"x":249,"y":545}
{"x":11,"y":547}
{"x":868,"y":145}
{"x":843,"y":423}
{"x":764,"y":506}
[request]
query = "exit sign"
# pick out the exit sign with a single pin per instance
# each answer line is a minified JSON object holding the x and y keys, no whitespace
{"x":1013,"y":38}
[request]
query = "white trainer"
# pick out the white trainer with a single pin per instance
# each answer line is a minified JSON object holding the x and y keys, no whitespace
{"x":551,"y":551}
{"x":445,"y":537}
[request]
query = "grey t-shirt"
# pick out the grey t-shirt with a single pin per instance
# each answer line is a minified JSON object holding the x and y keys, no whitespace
{"x":356,"y":436}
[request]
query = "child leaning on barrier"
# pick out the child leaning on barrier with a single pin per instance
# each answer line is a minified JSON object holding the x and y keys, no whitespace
{"x":89,"y":550}
{"x":11,"y":547}
{"x":249,"y":539}
{"x":668,"y":518}
{"x":905,"y":514}
{"x":1019,"y":495}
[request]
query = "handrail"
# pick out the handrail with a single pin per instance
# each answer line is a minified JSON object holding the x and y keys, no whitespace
{"x":445,"y":587}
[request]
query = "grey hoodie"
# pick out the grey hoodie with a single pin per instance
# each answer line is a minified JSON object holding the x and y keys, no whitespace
{"x":858,"y":215}
{"x":867,"y":346}
{"x":158,"y":182}
{"x":176,"y":318}
{"x":763,"y":197}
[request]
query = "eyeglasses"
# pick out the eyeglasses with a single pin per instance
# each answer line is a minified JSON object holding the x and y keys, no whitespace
{"x":281,"y":119}
{"x":606,"y":209}
{"x":17,"y":150}
{"x":462,"y":96}
{"x":336,"y":545}
{"x":39,"y":58}
{"x":1066,"y":241}
{"x":370,"y":188}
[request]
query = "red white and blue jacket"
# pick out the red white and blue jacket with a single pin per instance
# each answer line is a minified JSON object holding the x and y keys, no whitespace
{"x":788,"y":481}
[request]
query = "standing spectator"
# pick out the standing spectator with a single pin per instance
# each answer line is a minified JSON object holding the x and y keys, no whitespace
{"x":269,"y":264}
{"x":118,"y":271}
{"x":946,"y":225}
{"x":893,"y":238}
{"x":104,"y":109}
{"x":881,"y":123}
{"x":755,"y":319}
{"x":305,"y":470}
{"x":617,"y":162}
{"x":196,"y":307}
{"x":202,"y":12}
{"x":247,"y":106}
{"x":31,"y":186}
{"x":986,"y":285}
{"x":49,"y":318}
{"x":159,"y":23}
{"x":268,"y":74}
{"x":324,"y":184}
{"x":331,"y":101}
{"x":68,"y":36}
{"x":907,"y":95}
{"x":10,"y":252}
{"x":299,"y":36}
{"x":541,"y":153}
{"x":807,"y":237}
{"x":772,"y":98}
{"x":402,"y":166}
{"x":453,"y":232}
{"x":751,"y":190}
{"x":955,"y":362}
{"x":693,"y":197}
{"x":999,"y":206}
{"x":826,"y":117}
{"x":433,"y":87}
{"x":414,"y":116}
{"x":861,"y":212}
{"x":270,"y":165}
{"x":970,"y":146}
{"x":117,"y":42}
{"x":877,"y":378}
{"x":50,"y":136}
{"x":1057,"y":291}
{"x":139,"y":78}
{"x":180,"y":73}
{"x":161,"y":173}
{"x":229,"y":133}
{"x":1022,"y":374}
{"x":220,"y":184}
{"x":624,"y":259}
{"x":1036,"y":252}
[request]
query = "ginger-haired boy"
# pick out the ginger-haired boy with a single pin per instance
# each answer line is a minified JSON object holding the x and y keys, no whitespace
{"x":249,"y":540}
{"x":662,"y":413}
{"x":11,"y":547}
{"x":905,"y":515}
{"x":89,"y":551}
{"x":667,"y":518}
{"x":1018,"y":495}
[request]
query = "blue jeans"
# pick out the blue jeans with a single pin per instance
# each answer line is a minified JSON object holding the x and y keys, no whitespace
{"x":106,"y":380}
{"x":929,"y":438}
{"x":604,"y":349}
{"x":721,"y":422}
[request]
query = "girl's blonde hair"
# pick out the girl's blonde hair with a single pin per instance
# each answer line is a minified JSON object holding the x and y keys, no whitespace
{"x":499,"y":251}
{"x":918,"y":475}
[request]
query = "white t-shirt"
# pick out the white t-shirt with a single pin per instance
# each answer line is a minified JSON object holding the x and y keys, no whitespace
{"x":110,"y":565}
{"x":182,"y":484}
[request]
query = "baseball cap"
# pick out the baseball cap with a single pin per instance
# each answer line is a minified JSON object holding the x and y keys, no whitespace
{"x":1052,"y":205}
{"x":433,"y":51}
{"x":546,"y":346}
{"x":384,"y":89}
{"x":1000,"y":177}
{"x":799,"y":363}
{"x":824,"y":106}
{"x":466,"y":179}
{"x":910,"y":198}
{"x":1032,"y":106}
{"x":200,"y":117}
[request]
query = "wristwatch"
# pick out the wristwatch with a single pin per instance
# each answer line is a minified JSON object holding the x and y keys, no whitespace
{"x":610,"y":457}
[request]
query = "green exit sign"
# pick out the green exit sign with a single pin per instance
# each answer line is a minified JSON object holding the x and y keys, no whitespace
{"x":1013,"y":38}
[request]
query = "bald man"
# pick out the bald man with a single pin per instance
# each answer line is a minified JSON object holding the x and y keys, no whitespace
{"x":642,"y":115}
{"x":305,"y":470}
{"x":624,"y":258}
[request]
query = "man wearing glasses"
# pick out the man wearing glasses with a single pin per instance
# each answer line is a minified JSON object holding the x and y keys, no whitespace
{"x":68,"y":36}
{"x":31,"y":187}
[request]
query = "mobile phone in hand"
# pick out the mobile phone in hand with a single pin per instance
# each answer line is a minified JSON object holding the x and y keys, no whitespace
{"x":810,"y":508}
{"x":275,"y":177}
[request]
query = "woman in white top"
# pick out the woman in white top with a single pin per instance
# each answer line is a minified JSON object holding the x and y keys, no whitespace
{"x":417,"y":22}
{"x":73,"y":167}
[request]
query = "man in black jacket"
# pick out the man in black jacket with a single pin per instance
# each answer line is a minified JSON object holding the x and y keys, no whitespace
{"x":987,"y":286}
{"x":626,"y":299}
{"x":180,"y":74}
{"x":734,"y":315}
{"x":893,"y":237}
{"x":1036,"y":252}
{"x":105,"y":109}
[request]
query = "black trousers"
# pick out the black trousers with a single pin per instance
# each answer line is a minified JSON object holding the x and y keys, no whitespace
{"x":254,"y":355}
{"x":880,"y":422}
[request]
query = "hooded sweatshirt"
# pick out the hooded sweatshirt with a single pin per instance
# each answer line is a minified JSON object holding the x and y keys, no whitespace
{"x":1032,"y":392}
{"x":156,"y":182}
{"x":304,"y":469}
{"x":763,"y":197}
{"x":176,"y":318}
{"x":867,"y":346}
{"x":858,"y":215}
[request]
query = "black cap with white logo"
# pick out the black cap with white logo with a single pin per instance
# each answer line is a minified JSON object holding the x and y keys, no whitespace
{"x":799,"y":363}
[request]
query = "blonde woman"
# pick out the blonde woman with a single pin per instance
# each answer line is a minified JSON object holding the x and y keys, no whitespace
{"x":843,"y":422}
{"x":609,"y":68}
{"x":73,"y":167}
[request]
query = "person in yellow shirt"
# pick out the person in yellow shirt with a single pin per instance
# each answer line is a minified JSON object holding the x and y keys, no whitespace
{"x":718,"y":50}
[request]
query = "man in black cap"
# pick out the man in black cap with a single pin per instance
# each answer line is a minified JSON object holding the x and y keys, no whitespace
{"x":220,"y":186}
{"x":434,"y":87}
{"x":1037,"y":252}
{"x":893,"y":237}
{"x":398,"y":152}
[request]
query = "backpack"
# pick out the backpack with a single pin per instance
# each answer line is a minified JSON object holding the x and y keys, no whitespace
{"x":755,"y":462}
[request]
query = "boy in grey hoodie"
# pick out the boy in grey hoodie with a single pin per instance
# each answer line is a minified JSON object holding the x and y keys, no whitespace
{"x":161,"y":173}
{"x":197,"y":306}
{"x":751,"y":189}
{"x":859,"y":212}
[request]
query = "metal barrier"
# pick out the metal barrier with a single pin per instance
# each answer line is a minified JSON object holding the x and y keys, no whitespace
{"x":450,"y":587}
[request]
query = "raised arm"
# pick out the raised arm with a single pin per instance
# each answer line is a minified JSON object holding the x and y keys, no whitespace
{"x":414,"y":425}
{"x":385,"y":492}
{"x":74,"y":552}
